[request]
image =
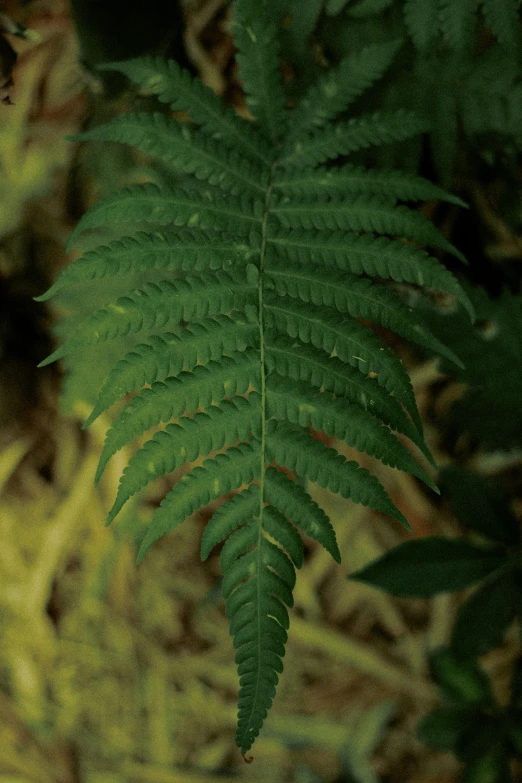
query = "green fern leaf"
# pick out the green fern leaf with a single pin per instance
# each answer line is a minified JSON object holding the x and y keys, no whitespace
{"x":180,"y":251}
{"x":284,"y":533}
{"x":382,"y":257}
{"x":295,"y":449}
{"x":169,"y":399}
{"x":334,"y":7}
{"x":292,"y":402}
{"x":502,"y":18}
{"x":161,"y":206}
{"x":250,"y":302}
{"x":217,"y":476}
{"x":183,"y":147}
{"x":258,"y":63}
{"x":363,"y":214}
{"x":259,"y":619}
{"x":236,"y":511}
{"x":352,"y":179}
{"x":292,"y":359}
{"x":355,"y":134}
{"x":457,"y":20}
{"x":292,"y":500}
{"x":365,"y":8}
{"x":352,"y":343}
{"x":359,"y":297}
{"x":168,"y":354}
{"x":159,"y":304}
{"x":175,"y":86}
{"x":300,"y":22}
{"x":421,"y":17}
{"x":339,"y":87}
{"x":178,"y":443}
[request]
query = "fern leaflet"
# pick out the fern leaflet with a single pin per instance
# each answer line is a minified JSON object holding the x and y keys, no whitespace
{"x":339,"y":87}
{"x":502,"y":17}
{"x":186,"y":149}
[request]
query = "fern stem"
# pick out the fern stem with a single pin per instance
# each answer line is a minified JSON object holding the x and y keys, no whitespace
{"x":259,"y":565}
{"x":261,"y":325}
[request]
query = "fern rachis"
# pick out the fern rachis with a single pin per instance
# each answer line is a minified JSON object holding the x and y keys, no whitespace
{"x":252,"y":334}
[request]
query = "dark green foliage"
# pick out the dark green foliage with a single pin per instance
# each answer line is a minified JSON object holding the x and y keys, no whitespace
{"x":486,"y":615}
{"x":490,"y":410}
{"x":444,"y":727}
{"x":248,"y":312}
{"x":461,"y":681}
{"x":426,"y":567}
{"x":480,"y":504}
{"x":471,"y":724}
{"x":458,"y":68}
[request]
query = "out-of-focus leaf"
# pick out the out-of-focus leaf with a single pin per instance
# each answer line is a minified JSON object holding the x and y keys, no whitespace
{"x":334,"y":7}
{"x":426,"y":567}
{"x":486,"y":615}
{"x":490,"y":410}
{"x":479,"y":504}
{"x":443,"y":727}
{"x":460,"y":680}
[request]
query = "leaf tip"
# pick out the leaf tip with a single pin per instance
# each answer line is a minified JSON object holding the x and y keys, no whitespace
{"x":53,"y":357}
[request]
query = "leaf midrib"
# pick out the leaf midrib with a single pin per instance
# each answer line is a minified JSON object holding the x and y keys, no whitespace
{"x":263,"y":439}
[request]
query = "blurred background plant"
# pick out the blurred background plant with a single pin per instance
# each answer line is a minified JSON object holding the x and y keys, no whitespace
{"x":115,"y":674}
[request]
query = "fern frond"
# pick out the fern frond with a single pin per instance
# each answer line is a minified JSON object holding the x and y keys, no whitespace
{"x":186,"y":149}
{"x":502,"y":18}
{"x":175,"y":86}
{"x":260,"y":292}
{"x":281,"y":530}
{"x":356,"y":180}
{"x":178,"y":443}
{"x":421,"y":18}
{"x":365,"y":8}
{"x":352,"y":343}
{"x":255,"y":36}
{"x":162,"y":205}
{"x":363,"y":214}
{"x":234,"y":512}
{"x":294,"y":448}
{"x":259,"y":619}
{"x":178,"y":251}
{"x":292,"y":402}
{"x":339,"y":87}
{"x":300,"y":21}
{"x":359,"y":297}
{"x":169,"y":399}
{"x":217,"y":476}
{"x":168,"y":354}
{"x":382,"y":257}
{"x":160,"y":304}
{"x":300,"y":362}
{"x":457,"y":19}
{"x":334,"y":7}
{"x":356,"y":134}
{"x":293,"y":501}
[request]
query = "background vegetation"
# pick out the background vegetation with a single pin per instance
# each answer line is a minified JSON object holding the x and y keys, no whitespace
{"x":113,"y":674}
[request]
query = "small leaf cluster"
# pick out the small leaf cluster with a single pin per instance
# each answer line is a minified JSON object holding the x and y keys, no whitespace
{"x":470,"y":723}
{"x":426,"y":567}
{"x":489,"y":412}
